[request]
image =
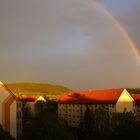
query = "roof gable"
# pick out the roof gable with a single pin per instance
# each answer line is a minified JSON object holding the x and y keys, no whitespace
{"x":4,"y":90}
{"x":125,"y":96}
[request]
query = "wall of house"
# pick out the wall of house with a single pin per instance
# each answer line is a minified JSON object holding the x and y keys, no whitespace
{"x":72,"y":114}
{"x":137,"y":112}
{"x":125,"y":102}
{"x":4,"y":94}
{"x":8,"y":111}
{"x":19,"y":120}
{"x":108,"y":107}
{"x":13,"y":119}
{"x":62,"y":112}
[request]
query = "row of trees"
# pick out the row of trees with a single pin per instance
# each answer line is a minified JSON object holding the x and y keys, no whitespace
{"x":45,"y":124}
{"x":101,"y":124}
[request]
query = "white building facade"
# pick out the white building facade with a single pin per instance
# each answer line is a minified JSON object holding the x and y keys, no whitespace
{"x":72,"y":106}
{"x":10,"y":112}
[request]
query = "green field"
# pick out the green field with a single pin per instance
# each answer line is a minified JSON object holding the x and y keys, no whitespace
{"x":44,"y":89}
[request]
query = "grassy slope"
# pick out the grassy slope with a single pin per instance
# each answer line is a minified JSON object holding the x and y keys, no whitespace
{"x":49,"y":90}
{"x":38,"y":89}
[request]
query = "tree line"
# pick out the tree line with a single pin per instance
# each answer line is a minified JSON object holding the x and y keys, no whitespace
{"x":98,"y":124}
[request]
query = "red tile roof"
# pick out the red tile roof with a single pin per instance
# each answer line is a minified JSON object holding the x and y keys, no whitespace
{"x":28,"y":98}
{"x":109,"y":96}
{"x":136,"y":97}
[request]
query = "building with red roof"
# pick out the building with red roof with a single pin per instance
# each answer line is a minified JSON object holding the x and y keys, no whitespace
{"x":92,"y":97}
{"x":136,"y":97}
{"x":30,"y":101}
{"x":25,"y":98}
{"x":72,"y":106}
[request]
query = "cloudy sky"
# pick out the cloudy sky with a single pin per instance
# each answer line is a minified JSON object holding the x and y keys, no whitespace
{"x":75,"y":43}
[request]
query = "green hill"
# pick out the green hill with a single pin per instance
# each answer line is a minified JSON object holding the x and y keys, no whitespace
{"x":49,"y":90}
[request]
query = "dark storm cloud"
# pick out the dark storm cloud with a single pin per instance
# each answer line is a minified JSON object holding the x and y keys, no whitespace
{"x":69,"y":42}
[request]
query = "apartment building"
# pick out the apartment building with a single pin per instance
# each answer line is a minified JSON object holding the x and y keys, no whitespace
{"x":10,"y":112}
{"x":72,"y":106}
{"x":29,"y":101}
{"x":136,"y":98}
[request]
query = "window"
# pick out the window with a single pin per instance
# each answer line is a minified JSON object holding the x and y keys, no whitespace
{"x":19,"y":126}
{"x":18,"y":114}
{"x":19,"y":104}
{"x":113,"y":105}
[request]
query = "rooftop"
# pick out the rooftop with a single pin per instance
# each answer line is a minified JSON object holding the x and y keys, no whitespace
{"x":109,"y":96}
{"x":28,"y":98}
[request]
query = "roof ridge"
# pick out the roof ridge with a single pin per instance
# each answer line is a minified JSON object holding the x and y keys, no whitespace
{"x":97,"y":90}
{"x":8,"y":90}
{"x":105,"y":95}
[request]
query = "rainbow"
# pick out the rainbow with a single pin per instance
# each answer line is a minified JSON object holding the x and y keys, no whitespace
{"x":123,"y":31}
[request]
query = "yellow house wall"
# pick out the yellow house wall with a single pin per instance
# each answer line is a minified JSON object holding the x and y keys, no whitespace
{"x":3,"y":95}
{"x":13,"y":119}
{"x":125,"y":102}
{"x":75,"y":114}
{"x":71,"y":113}
{"x":62,"y":111}
{"x":19,"y":120}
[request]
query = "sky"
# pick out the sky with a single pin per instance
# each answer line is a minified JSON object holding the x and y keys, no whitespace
{"x":75,"y":43}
